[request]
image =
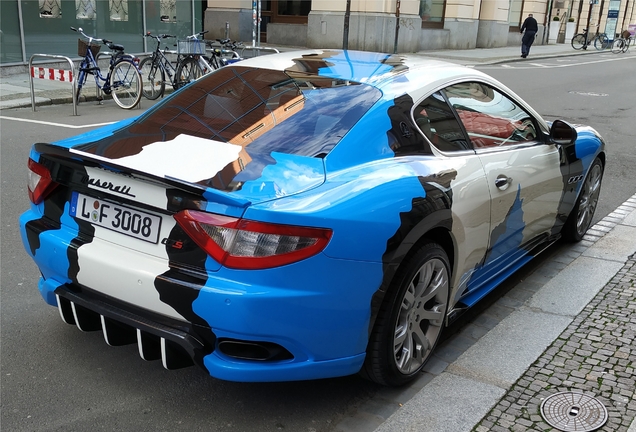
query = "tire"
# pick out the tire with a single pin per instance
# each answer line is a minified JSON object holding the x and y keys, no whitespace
{"x":188,"y":71}
{"x":411,"y":318}
{"x":601,"y":42}
{"x":578,"y":41}
{"x":618,"y":45}
{"x":581,"y":216}
{"x":126,"y":84}
{"x":153,"y":79}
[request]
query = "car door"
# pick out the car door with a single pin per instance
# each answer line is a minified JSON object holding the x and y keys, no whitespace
{"x":522,"y":171}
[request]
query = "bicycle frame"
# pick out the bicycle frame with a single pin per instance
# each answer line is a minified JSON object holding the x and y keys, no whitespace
{"x":89,"y":65}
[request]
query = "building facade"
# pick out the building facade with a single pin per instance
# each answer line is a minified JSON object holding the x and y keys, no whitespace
{"x":42,"y":26}
{"x":420,"y":24}
{"x":28,"y":27}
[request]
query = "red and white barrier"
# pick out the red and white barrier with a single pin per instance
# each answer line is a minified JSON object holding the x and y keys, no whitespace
{"x":52,"y":74}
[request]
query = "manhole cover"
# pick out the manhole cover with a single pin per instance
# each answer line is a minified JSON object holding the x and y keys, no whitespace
{"x":568,"y":411}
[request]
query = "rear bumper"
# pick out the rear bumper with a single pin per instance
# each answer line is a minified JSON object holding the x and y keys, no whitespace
{"x":317,"y":310}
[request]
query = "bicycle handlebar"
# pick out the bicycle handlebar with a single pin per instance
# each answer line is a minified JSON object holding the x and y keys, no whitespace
{"x":197,"y":35}
{"x":90,"y":38}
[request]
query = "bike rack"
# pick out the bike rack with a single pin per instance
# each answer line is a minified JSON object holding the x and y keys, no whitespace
{"x":52,"y":77}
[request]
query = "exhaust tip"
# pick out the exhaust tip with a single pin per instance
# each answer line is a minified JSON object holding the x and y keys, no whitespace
{"x":253,"y":350}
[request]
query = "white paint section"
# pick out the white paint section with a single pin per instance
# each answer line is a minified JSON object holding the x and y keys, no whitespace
{"x":124,"y":274}
{"x":140,"y":191}
{"x":186,"y":158}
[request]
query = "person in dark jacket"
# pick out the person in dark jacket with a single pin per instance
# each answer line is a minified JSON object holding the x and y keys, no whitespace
{"x":531,"y":27}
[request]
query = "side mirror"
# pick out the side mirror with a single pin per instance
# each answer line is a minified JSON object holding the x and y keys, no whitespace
{"x":562,"y":133}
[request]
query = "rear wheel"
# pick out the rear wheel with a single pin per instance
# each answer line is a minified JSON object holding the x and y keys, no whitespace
{"x":125,"y":84}
{"x":578,"y":41}
{"x":617,"y":45}
{"x":580,"y":219}
{"x":411,"y":318}
{"x":189,"y":70}
{"x":601,"y":42}
{"x":153,"y":79}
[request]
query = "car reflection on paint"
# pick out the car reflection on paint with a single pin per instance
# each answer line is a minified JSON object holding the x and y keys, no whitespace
{"x":305,"y":215}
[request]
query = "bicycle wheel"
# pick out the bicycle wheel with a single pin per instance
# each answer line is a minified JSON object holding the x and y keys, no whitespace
{"x":81,"y":80}
{"x":578,"y":41}
{"x":188,"y":71}
{"x":601,"y":42}
{"x":617,"y":45}
{"x":125,"y":84}
{"x":153,"y":79}
{"x":626,"y":45}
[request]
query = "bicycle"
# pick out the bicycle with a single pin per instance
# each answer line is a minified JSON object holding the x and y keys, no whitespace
{"x":123,"y":80}
{"x":622,"y":43}
{"x":226,"y":54}
{"x":189,"y":65}
{"x":581,"y":41}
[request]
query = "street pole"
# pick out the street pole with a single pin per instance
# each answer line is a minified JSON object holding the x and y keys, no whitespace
{"x":589,"y":19}
{"x":345,"y":36}
{"x":397,"y":25}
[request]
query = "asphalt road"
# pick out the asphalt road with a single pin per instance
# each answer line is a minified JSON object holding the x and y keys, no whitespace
{"x":54,"y":377}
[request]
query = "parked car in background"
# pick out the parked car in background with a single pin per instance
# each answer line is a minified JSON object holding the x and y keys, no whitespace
{"x":306,"y":214}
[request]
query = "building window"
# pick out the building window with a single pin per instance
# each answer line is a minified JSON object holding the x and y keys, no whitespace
{"x":50,"y":9}
{"x":432,"y":12}
{"x":286,"y":11}
{"x":118,"y":10}
{"x":514,"y":15}
{"x":168,"y":10}
{"x":85,"y":9}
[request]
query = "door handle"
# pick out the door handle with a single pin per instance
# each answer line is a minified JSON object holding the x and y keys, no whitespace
{"x":502,"y":182}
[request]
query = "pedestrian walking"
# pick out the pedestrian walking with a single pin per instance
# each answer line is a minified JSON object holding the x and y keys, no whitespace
{"x":531,"y":27}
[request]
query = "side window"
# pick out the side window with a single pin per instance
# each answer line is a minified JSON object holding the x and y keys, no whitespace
{"x":490,"y":118}
{"x":436,"y":120}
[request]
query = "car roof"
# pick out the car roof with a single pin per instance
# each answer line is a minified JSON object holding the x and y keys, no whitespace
{"x":394,"y":74}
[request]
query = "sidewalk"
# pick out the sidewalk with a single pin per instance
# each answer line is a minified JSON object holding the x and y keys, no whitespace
{"x":15,"y":88}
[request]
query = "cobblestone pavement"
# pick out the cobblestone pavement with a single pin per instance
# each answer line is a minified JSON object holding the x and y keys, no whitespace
{"x":595,"y":355}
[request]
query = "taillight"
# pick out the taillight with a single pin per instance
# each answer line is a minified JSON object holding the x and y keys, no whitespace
{"x":40,"y":182}
{"x":246,"y":244}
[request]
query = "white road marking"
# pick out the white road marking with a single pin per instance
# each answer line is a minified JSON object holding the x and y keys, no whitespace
{"x":549,"y":66}
{"x":55,"y":124}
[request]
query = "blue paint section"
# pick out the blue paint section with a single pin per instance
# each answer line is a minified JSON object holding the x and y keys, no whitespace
{"x":504,"y":256}
{"x":587,"y":145}
{"x":354,"y":203}
{"x":321,"y":317}
{"x":289,"y":174}
{"x":51,"y":257}
{"x":356,"y":66}
{"x":367,"y":141}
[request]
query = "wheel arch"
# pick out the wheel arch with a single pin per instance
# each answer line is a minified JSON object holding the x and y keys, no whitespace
{"x":437,"y":228}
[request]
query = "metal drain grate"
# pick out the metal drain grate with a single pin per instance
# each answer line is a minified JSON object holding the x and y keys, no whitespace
{"x":573,"y":412}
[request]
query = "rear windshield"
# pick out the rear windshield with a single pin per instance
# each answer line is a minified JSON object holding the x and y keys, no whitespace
{"x":265,"y":109}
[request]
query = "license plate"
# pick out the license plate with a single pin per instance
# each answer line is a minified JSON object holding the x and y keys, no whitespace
{"x":116,"y":217}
